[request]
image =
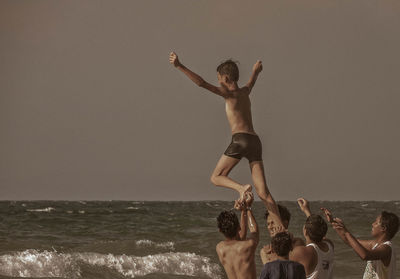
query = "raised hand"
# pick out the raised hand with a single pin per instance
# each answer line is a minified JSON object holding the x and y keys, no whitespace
{"x":328,"y":214}
{"x":257,"y":67}
{"x":173,"y":59}
{"x":338,"y":224}
{"x":249,"y":198}
{"x":304,"y":206}
{"x":239,"y":205}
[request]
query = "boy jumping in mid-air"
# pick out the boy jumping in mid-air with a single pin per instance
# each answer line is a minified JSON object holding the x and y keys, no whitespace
{"x":245,"y":142}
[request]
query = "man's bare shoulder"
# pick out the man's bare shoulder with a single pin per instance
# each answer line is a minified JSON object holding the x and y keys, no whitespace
{"x":297,"y":241}
{"x":302,"y":251}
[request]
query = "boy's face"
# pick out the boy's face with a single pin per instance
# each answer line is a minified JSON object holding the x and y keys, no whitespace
{"x":271,"y":225}
{"x":377,"y":228}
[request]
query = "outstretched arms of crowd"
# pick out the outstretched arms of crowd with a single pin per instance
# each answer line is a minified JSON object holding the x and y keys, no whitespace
{"x":247,"y":219}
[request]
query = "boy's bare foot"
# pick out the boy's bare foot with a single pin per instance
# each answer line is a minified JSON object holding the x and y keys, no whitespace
{"x":246,"y":188}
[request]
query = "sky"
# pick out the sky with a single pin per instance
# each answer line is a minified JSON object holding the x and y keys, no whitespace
{"x":91,"y":109}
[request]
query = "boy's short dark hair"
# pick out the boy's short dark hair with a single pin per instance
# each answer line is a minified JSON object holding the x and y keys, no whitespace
{"x":283,"y":212}
{"x":281,"y":244}
{"x":228,"y":223}
{"x":316,"y":227}
{"x":390,"y":221}
{"x":229,"y":68}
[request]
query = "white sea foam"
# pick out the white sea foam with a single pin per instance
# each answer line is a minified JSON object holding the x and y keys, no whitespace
{"x":81,"y":211}
{"x":148,"y":243}
{"x":33,"y":263}
{"x":132,"y":207}
{"x":47,"y":209}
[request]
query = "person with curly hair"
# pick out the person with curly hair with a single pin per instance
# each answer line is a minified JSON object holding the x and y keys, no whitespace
{"x":237,"y":252}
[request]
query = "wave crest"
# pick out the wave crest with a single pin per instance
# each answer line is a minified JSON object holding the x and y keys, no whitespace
{"x":33,"y":263}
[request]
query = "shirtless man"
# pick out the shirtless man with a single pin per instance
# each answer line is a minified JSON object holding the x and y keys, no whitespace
{"x":236,"y":253}
{"x":245,"y":142}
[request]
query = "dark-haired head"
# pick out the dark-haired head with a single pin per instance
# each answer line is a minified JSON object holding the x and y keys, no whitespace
{"x":388,"y":222}
{"x":228,"y":223}
{"x":230,"y":69}
{"x":315,"y":228}
{"x":285,"y":217}
{"x":281,"y":244}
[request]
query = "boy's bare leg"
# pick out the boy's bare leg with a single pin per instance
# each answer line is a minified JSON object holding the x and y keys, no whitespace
{"x":260,"y":183}
{"x":220,"y":177}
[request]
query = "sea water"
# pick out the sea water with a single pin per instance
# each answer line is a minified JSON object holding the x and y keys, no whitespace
{"x":133,"y":239}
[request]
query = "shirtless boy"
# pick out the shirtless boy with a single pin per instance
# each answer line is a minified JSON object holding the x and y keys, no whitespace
{"x":245,"y":142}
{"x":236,"y":253}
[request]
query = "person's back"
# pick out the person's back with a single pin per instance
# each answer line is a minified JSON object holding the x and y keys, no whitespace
{"x":317,"y":256}
{"x":237,"y":257}
{"x":324,"y":260}
{"x":282,"y":268}
{"x":236,"y":253}
{"x":238,"y":111}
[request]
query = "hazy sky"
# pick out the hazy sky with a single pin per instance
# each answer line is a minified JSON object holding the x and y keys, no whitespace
{"x":90,"y":108}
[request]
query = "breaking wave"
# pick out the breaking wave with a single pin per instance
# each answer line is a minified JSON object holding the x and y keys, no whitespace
{"x":148,"y":243}
{"x":47,"y":209}
{"x":34,"y":263}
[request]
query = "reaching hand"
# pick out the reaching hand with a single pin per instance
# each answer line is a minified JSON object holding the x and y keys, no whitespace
{"x":338,"y":224}
{"x":239,"y":205}
{"x":249,"y":198}
{"x":173,"y":59}
{"x":328,"y":214}
{"x":304,"y":206}
{"x":257,"y":67}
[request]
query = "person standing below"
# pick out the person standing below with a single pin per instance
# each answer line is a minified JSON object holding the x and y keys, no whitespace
{"x":237,"y":253}
{"x":379,"y":251}
{"x":266,"y":253}
{"x":317,"y":256}
{"x":282,"y":267}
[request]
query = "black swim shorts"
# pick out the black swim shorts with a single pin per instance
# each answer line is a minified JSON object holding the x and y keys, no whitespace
{"x":245,"y":145}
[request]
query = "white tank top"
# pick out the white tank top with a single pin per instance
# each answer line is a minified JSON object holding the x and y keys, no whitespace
{"x":324,"y":267}
{"x":377,"y":270}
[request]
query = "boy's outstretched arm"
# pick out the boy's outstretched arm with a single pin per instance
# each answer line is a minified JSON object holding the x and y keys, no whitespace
{"x":257,"y":68}
{"x":382,"y":252}
{"x":173,"y":59}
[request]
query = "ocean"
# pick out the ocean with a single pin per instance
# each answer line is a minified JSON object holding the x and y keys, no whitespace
{"x":134,"y":239}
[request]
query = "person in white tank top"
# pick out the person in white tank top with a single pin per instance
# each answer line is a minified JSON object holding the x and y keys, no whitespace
{"x":324,"y":266}
{"x":376,"y":269}
{"x":317,"y":256}
{"x":378,"y":252}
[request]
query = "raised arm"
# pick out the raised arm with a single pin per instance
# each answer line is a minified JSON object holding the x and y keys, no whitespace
{"x":382,"y":252}
{"x":257,"y":68}
{"x":243,"y":218}
{"x":198,"y":80}
{"x":304,"y":206}
{"x":252,"y":224}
